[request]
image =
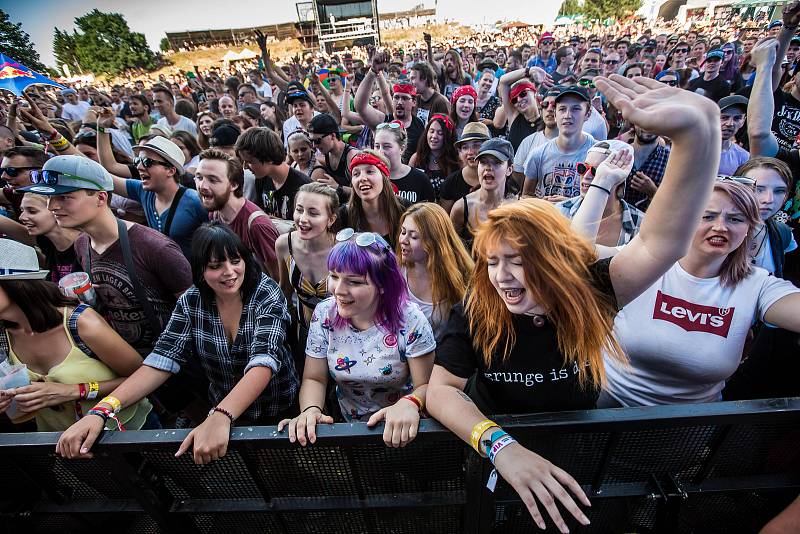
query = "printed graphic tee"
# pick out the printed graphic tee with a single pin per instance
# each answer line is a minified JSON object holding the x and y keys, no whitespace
{"x":369,"y":367}
{"x":684,"y":336}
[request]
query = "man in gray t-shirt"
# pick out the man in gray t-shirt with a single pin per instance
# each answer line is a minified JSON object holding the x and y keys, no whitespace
{"x":550,"y":170}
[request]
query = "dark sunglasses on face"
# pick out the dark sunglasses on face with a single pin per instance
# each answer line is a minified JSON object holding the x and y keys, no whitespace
{"x":13,"y":172}
{"x":316,"y":140}
{"x":149,"y":162}
{"x":523,"y":94}
{"x":681,"y":50}
{"x":611,"y":62}
{"x":671,"y":83}
{"x":583,"y":168}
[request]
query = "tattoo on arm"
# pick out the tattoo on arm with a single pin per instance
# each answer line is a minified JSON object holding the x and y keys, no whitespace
{"x":464,"y":396}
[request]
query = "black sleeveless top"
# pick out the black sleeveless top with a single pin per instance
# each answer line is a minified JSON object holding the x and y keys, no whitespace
{"x":341,"y":174}
{"x":520,"y":129}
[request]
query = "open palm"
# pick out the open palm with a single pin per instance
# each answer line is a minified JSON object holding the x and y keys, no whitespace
{"x":654,"y":106}
{"x":615,"y":168}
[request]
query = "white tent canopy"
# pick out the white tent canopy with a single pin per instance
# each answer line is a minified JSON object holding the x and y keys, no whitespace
{"x":230,"y":55}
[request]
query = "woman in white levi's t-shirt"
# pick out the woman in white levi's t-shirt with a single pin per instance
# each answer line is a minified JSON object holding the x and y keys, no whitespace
{"x":371,"y":340}
{"x":434,"y":262}
{"x":685,"y":334}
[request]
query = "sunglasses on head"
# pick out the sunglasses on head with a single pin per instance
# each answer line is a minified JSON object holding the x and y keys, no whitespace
{"x":583,"y":167}
{"x":363,"y":239}
{"x":586,"y":83}
{"x":51,"y":178}
{"x":149,"y":162}
{"x":741,"y":180}
{"x":392,"y":125}
{"x":14,"y":171}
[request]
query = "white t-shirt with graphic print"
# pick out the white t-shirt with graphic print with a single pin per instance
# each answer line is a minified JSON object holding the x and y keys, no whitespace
{"x":684,"y":336}
{"x":368,"y":368}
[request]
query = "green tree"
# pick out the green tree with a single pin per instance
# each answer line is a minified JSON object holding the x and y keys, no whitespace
{"x":614,"y":9}
{"x":570,"y":7}
{"x":164,"y":45}
{"x":15,"y":42}
{"x":104,"y":44}
{"x":65,"y":50}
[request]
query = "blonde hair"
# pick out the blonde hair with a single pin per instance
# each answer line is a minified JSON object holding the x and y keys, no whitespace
{"x":736,"y":266}
{"x":448,"y":262}
{"x":557,"y":273}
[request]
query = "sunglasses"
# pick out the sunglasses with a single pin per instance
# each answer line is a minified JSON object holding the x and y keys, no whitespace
{"x":316,"y":140}
{"x":14,"y":171}
{"x":611,"y":61}
{"x":523,"y":94}
{"x":586,"y":83}
{"x":363,"y":239}
{"x":671,"y":83}
{"x":681,"y":50}
{"x":392,"y":125}
{"x":741,"y":180}
{"x":149,"y":162}
{"x":583,"y":168}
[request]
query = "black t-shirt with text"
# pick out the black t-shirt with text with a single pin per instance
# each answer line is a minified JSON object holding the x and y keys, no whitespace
{"x":279,"y":202}
{"x":534,"y":377}
{"x":786,"y":122}
{"x":415,"y":187}
{"x":60,"y":263}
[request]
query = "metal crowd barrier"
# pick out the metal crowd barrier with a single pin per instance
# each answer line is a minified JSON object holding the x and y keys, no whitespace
{"x":723,"y":467}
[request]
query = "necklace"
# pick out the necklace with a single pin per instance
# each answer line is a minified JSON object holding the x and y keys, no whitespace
{"x":754,"y":255}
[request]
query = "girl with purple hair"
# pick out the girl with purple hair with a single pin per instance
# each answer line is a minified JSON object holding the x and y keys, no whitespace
{"x":371,"y":339}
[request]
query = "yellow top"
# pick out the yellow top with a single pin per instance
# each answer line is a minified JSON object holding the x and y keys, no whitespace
{"x":78,"y":368}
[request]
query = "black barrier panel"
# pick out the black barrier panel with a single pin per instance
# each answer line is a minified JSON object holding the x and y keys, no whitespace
{"x":723,"y":467}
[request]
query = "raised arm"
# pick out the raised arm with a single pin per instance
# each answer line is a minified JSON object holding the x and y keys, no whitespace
{"x":333,"y":106}
{"x":791,"y":18}
{"x":106,"y":155}
{"x":274,"y":73}
{"x":691,"y":121}
{"x":371,"y":116}
{"x":437,"y":67}
{"x":762,"y":106}
{"x":503,"y":87}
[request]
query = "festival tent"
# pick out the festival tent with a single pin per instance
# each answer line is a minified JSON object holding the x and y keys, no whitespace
{"x":229,"y":56}
{"x":247,"y":54}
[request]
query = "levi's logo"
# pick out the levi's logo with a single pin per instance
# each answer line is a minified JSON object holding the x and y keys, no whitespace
{"x":693,"y":317}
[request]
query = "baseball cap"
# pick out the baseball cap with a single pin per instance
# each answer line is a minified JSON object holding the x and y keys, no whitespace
{"x":733,"y":100}
{"x":473,"y":131}
{"x":795,"y":39}
{"x":575,"y":90}
{"x":296,"y":91}
{"x":160,"y":130}
{"x":65,"y":174}
{"x":715,"y":54}
{"x":224,"y":135}
{"x":19,"y":262}
{"x":323,"y":124}
{"x":499,"y":148}
{"x":774,"y":24}
{"x":546,"y":36}
{"x":69,"y":91}
{"x":164,"y":148}
{"x":651,"y":43}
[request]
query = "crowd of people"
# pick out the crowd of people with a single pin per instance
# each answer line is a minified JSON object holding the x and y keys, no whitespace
{"x":602,"y":219}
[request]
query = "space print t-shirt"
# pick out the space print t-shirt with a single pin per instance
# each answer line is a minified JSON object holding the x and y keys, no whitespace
{"x":370,"y":367}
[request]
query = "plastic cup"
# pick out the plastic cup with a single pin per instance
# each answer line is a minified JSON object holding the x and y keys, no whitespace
{"x":17,"y":379}
{"x":78,"y":285}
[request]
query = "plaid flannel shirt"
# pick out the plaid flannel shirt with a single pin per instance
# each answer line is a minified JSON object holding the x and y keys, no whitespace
{"x":195,"y":331}
{"x":631,"y":217}
{"x":654,"y":167}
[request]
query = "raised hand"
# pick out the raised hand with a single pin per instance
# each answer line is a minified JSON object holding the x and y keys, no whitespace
{"x":261,"y":39}
{"x":614,"y":170}
{"x":34,"y":116}
{"x":659,"y":108}
{"x":791,"y":14}
{"x":379,"y":61}
{"x":765,"y":53}
{"x":426,"y":36}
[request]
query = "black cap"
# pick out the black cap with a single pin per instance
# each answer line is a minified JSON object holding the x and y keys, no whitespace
{"x":296,"y":91}
{"x":323,"y":124}
{"x":575,"y":90}
{"x":488,"y":63}
{"x":733,"y":100}
{"x":224,"y":135}
{"x":499,"y":148}
{"x":651,"y":43}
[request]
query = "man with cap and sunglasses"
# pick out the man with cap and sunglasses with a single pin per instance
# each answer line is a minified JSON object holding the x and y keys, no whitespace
{"x":80,"y":192}
{"x":733,"y":111}
{"x":404,"y":95}
{"x":17,"y":165}
{"x":545,"y":59}
{"x":302,"y":105}
{"x":550,"y":131}
{"x":711,"y":84}
{"x":169,"y":207}
{"x":333,"y":155}
{"x":550,"y":170}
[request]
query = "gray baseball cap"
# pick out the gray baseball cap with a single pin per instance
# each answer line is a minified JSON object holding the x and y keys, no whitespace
{"x":499,"y":148}
{"x":64,"y":174}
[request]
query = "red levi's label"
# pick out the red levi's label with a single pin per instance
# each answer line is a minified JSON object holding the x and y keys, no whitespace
{"x":693,"y":317}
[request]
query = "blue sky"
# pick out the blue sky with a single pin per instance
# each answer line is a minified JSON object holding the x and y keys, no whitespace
{"x":155,"y":17}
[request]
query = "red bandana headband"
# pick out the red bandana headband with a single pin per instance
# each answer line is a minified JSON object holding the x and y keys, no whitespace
{"x":445,"y":119}
{"x":365,"y":158}
{"x":463,"y":90}
{"x":406,"y":88}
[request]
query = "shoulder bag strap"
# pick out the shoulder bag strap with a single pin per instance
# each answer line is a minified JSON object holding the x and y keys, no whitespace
{"x":173,"y":208}
{"x":138,"y":289}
